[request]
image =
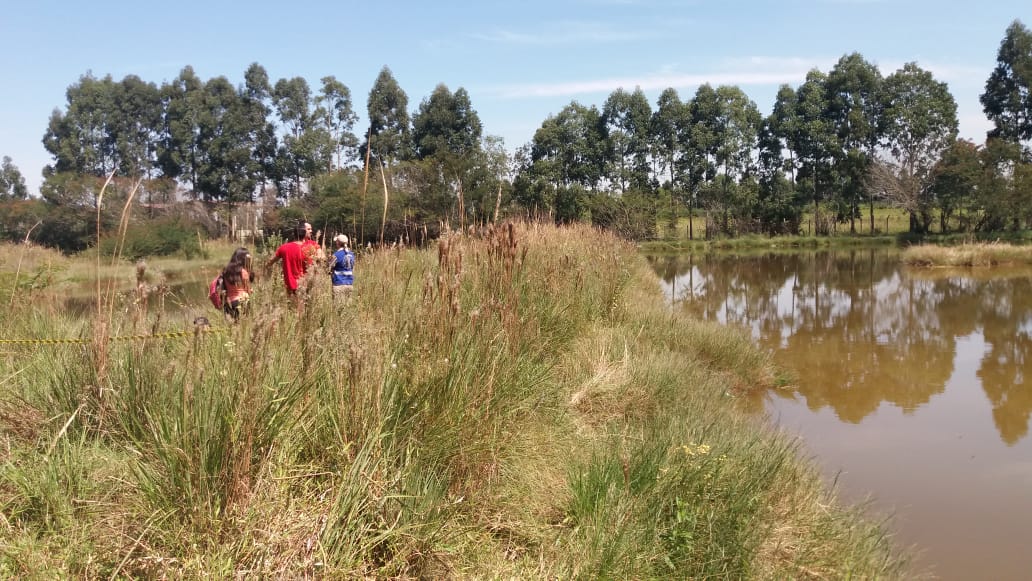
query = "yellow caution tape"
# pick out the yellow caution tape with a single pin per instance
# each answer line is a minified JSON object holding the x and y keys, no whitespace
{"x":115,"y":338}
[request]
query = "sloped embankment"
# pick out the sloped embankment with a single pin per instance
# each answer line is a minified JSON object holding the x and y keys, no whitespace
{"x":515,"y":403}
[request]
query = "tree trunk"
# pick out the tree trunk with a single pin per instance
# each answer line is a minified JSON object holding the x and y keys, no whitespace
{"x":365,"y":184}
{"x":872,"y":213}
{"x":462,"y":206}
{"x":498,"y":202}
{"x":691,"y":219}
{"x":383,"y":222}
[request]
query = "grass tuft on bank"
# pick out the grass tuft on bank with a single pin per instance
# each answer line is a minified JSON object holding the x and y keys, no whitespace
{"x":515,"y":403}
{"x":977,"y":254}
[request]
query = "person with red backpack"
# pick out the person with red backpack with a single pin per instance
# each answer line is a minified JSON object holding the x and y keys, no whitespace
{"x":237,"y":278}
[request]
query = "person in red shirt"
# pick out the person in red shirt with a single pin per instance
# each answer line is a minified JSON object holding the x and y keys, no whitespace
{"x":312,"y":250}
{"x":292,"y":257}
{"x":296,"y":257}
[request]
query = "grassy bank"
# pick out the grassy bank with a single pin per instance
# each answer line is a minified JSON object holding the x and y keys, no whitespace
{"x":519,"y":404}
{"x":754,"y":241}
{"x":892,"y":226}
{"x":887,"y":222}
{"x":982,"y":254}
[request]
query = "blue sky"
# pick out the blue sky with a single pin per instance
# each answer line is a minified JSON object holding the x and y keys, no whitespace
{"x":520,"y":60}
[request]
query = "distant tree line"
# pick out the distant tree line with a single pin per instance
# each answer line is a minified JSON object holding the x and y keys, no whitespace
{"x":834,"y":146}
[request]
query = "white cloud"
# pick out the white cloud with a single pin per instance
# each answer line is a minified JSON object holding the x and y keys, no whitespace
{"x":645,"y":3}
{"x":744,"y":71}
{"x":646,"y":83}
{"x":567,"y":33}
{"x":740,"y":72}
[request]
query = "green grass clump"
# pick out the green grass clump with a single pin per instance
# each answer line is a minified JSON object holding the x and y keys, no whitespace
{"x":515,"y":402}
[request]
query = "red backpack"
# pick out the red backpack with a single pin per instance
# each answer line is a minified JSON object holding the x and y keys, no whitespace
{"x":216,"y":290}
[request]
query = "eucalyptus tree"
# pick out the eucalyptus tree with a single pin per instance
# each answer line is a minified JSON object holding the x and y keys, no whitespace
{"x":229,"y":169}
{"x":783,"y":123}
{"x":1007,"y":99}
{"x":135,"y":126}
{"x":215,"y":137}
{"x":957,"y":177}
{"x":920,"y":123}
{"x":446,"y":131}
{"x":498,"y":164}
{"x":813,"y":139}
{"x":569,"y":147}
{"x":853,"y":87}
{"x":626,"y":118}
{"x":546,"y":159}
{"x":730,"y":121}
{"x":81,"y":139}
{"x":738,"y":126}
{"x":488,"y":178}
{"x":12,"y":183}
{"x":564,"y":162}
{"x":530,"y":190}
{"x":256,"y":100}
{"x":446,"y":124}
{"x":389,"y":135}
{"x":1007,"y":102}
{"x":337,"y":116}
{"x":668,"y":122}
{"x":698,"y":141}
{"x":306,"y":146}
{"x":1004,"y":193}
{"x":179,"y":149}
{"x":107,"y":127}
{"x":776,"y":209}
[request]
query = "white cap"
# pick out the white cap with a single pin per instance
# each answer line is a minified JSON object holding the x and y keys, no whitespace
{"x":343,"y":239}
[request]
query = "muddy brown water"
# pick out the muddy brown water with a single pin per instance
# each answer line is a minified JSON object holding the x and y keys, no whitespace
{"x":909,"y":387}
{"x":184,"y":292}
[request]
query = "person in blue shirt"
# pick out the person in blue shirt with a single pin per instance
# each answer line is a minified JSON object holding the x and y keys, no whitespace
{"x":342,"y":274}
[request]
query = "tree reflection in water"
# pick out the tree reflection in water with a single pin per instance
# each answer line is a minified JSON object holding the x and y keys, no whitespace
{"x":858,"y":329}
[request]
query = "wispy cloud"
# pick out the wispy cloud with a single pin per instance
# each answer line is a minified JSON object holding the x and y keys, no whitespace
{"x":774,"y":63}
{"x":613,"y":2}
{"x":646,"y":83}
{"x":647,"y":3}
{"x":741,"y":72}
{"x":949,"y":72}
{"x":568,"y":33}
{"x":744,"y":72}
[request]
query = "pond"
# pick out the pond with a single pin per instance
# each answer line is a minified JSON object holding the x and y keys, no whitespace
{"x":181,"y":292}
{"x":911,"y":387}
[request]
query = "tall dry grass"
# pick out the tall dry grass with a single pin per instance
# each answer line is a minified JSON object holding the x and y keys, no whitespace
{"x":516,"y":402}
{"x":974,"y":254}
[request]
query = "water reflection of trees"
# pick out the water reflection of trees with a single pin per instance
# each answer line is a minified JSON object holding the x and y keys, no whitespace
{"x":1005,"y":311}
{"x":858,"y":332}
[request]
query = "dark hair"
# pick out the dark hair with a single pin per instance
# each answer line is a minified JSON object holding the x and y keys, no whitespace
{"x":240,"y":260}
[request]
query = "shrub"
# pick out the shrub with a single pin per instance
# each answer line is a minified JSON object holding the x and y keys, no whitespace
{"x":158,"y":238}
{"x":631,"y":216}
